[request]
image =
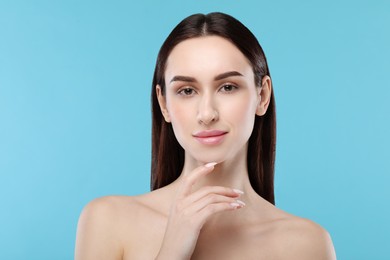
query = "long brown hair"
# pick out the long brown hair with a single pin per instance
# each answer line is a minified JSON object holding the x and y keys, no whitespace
{"x":167,"y":154}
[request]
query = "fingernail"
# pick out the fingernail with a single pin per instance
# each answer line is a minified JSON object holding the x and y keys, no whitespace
{"x":240,"y":202}
{"x":238,"y":191}
{"x":235,"y":205}
{"x":209,"y":165}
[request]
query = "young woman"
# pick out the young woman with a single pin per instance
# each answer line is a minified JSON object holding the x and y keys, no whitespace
{"x":213,"y":156}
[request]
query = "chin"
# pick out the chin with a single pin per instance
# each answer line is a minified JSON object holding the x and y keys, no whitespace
{"x":218,"y":154}
{"x":210,"y":156}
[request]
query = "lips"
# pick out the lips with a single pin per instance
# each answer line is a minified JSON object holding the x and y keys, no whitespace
{"x":210,"y":137}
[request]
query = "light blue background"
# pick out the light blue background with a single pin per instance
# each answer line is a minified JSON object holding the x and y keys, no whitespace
{"x":75,"y":80}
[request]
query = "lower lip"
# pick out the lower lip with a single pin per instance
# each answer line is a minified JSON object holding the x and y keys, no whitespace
{"x":211,"y":140}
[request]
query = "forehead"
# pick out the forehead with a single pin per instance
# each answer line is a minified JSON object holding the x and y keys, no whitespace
{"x":209,"y":55}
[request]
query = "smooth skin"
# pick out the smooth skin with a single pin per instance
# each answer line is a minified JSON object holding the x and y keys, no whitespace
{"x":211,"y":211}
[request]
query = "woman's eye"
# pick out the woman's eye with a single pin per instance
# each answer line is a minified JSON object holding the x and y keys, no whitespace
{"x":228,"y":88}
{"x":186,"y":92}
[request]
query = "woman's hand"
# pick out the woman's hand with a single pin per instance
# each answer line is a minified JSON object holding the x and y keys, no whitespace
{"x":190,"y":210}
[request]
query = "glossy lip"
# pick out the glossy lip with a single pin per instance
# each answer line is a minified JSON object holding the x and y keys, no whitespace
{"x":210,"y":137}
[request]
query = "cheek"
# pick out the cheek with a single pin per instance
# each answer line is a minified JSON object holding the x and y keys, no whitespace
{"x":181,"y":117}
{"x":241,"y":111}
{"x":178,"y":112}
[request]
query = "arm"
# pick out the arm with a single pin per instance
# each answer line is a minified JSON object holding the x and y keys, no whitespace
{"x":96,"y":232}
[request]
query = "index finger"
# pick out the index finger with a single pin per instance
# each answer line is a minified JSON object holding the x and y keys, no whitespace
{"x":191,"y":179}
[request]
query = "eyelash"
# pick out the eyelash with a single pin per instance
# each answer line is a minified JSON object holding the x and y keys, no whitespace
{"x":182,"y":90}
{"x":233,"y":87}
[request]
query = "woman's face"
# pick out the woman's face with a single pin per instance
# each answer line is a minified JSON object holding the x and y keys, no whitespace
{"x":210,"y":99}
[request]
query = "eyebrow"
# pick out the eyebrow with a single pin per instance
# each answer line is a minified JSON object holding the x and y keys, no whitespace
{"x":218,"y":77}
{"x":227,"y":75}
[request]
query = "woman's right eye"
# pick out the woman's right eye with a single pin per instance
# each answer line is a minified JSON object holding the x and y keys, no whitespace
{"x":186,"y":92}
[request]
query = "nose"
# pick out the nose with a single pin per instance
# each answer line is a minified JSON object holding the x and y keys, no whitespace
{"x":207,"y":112}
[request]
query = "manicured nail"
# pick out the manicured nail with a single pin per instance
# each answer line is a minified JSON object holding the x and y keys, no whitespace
{"x":209,"y":165}
{"x":238,"y":191}
{"x":235,"y":205}
{"x":240,"y":202}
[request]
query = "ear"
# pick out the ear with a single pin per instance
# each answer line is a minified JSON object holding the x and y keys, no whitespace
{"x":163,"y":104}
{"x":264,"y":95}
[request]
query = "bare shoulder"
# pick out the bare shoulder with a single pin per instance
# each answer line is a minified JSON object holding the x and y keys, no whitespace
{"x":111,"y":210}
{"x":98,"y":229}
{"x":102,"y":212}
{"x":300,"y":238}
{"x":109,"y":225}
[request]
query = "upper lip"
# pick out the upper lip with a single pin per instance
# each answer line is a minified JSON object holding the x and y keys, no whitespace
{"x":209,"y":133}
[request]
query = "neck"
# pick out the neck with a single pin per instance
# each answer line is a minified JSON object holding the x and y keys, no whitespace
{"x":231,"y":173}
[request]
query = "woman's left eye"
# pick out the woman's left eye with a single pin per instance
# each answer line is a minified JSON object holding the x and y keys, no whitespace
{"x":228,"y":88}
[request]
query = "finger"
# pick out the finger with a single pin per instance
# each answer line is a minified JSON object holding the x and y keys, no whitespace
{"x":212,"y":199}
{"x":214,"y":208}
{"x":205,"y":191}
{"x":190,"y":179}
